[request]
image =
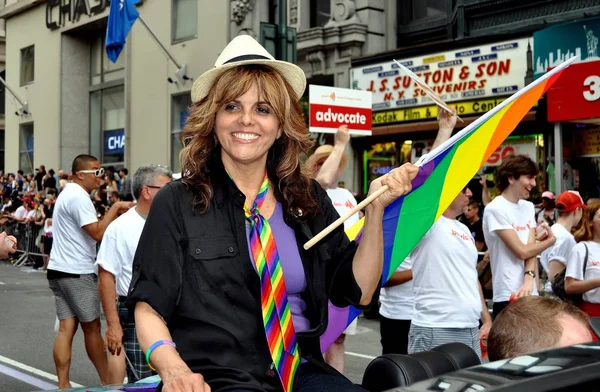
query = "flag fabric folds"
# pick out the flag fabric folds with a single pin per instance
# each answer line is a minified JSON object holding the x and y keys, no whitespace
{"x":443,"y":174}
{"x":121,"y":17}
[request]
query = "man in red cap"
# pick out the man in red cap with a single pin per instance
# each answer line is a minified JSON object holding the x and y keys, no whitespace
{"x":554,"y":259}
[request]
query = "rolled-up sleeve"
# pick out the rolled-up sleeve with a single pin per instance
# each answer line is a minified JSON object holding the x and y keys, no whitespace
{"x":342,"y":287}
{"x":157,"y":265}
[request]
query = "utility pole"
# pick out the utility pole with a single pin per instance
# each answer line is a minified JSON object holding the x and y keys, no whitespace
{"x":282,"y":36}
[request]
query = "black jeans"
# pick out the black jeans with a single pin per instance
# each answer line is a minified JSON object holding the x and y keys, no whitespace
{"x":499,"y":307}
{"x":394,"y":335}
{"x":312,"y":378}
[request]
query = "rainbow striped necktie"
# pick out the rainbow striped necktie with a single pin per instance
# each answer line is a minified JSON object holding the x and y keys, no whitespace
{"x":277,"y":316}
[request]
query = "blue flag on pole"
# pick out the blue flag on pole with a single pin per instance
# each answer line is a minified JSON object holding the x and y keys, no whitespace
{"x":121,"y":17}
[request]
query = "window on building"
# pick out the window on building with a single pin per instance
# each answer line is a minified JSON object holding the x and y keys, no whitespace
{"x":2,"y":96}
{"x":415,"y":10}
{"x":102,"y":69}
{"x":180,"y":111}
{"x":2,"y":148}
{"x":184,"y":20}
{"x":26,"y":147}
{"x":320,"y":12}
{"x":107,"y":125}
{"x":27,"y":65}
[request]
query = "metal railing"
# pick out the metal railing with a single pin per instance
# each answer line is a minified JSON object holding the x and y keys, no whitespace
{"x":28,"y":242}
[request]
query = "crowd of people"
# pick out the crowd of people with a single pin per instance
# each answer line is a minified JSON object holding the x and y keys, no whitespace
{"x":28,"y":204}
{"x":205,"y":281}
{"x":436,"y":296}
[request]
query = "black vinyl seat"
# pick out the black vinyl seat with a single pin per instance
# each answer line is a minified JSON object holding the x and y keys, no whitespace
{"x":396,"y":370}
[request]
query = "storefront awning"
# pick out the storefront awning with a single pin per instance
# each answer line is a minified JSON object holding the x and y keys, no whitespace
{"x":432,"y":125}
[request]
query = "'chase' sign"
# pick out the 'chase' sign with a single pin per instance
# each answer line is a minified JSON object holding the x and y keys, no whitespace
{"x":114,"y":142}
{"x":58,"y":12}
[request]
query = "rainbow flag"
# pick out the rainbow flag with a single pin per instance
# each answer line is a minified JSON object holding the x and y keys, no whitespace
{"x":443,"y":174}
{"x":36,"y":200}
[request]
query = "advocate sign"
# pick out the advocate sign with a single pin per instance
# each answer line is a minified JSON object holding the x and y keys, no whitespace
{"x":331,"y":107}
{"x":486,"y":71}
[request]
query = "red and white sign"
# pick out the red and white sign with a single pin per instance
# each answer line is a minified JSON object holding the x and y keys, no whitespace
{"x":521,"y":146}
{"x":576,"y":94}
{"x":331,"y":107}
{"x":517,"y":146}
{"x":491,"y":70}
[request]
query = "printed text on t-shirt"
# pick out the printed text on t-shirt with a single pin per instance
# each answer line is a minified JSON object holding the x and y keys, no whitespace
{"x":522,"y":228}
{"x":347,"y":204}
{"x":462,"y":235}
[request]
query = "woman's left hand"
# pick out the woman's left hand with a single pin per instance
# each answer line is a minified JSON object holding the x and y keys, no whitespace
{"x":399,"y":182}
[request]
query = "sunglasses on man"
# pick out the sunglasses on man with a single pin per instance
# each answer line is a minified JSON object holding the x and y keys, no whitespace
{"x":96,"y":172}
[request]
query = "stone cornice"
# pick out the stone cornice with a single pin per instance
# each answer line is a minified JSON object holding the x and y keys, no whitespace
{"x":19,"y":7}
{"x":332,"y":36}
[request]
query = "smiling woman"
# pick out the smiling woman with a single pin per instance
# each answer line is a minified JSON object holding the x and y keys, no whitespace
{"x":246,"y":114}
{"x":224,"y":295}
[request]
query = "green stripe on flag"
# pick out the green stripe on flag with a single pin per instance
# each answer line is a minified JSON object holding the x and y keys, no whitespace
{"x":418,"y":212}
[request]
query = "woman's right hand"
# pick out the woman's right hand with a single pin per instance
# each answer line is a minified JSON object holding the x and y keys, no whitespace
{"x":184,"y":380}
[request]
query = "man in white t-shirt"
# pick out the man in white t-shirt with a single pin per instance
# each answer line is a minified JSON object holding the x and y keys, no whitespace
{"x":71,"y":271}
{"x":114,"y":262}
{"x":22,"y":211}
{"x":397,"y":296}
{"x":449,"y":300}
{"x":509,"y":228}
{"x":570,"y":208}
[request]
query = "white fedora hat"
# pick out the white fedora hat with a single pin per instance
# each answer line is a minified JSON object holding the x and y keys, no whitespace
{"x":243,"y":50}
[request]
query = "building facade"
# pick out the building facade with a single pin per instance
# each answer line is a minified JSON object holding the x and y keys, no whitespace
{"x":474,"y":53}
{"x":126,"y":113}
{"x":2,"y":88}
{"x":329,"y":34}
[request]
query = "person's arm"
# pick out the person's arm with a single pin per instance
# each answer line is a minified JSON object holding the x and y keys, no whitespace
{"x":8,"y":245}
{"x":556,"y":267}
{"x":109,"y":268}
{"x":531,"y":264}
{"x":485,"y":194}
{"x":575,"y":282}
{"x":446,"y":123}
{"x":156,"y":287}
{"x":329,"y":170}
{"x":399,"y":278}
{"x":368,"y":260}
{"x":96,"y":230}
{"x":486,"y":319}
{"x":174,"y":372}
{"x":525,"y":251}
{"x":576,"y":286}
{"x":108,"y":295}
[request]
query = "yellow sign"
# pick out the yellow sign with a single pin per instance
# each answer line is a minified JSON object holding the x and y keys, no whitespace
{"x":587,"y":142}
{"x":430,"y":112}
{"x":434,"y":59}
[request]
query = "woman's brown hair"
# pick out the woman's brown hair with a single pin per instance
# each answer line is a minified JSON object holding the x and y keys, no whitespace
{"x":586,"y":231}
{"x":201,"y":152}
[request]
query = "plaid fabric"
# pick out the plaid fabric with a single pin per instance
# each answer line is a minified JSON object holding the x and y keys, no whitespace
{"x":136,"y":359}
{"x":425,"y":338}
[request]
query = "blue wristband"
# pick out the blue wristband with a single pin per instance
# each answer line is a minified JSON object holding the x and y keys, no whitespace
{"x":154,"y":346}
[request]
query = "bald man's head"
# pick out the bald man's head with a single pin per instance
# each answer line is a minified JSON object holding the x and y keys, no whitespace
{"x":533,"y":324}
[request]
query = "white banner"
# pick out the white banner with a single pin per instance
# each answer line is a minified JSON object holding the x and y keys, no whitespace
{"x":331,"y":107}
{"x":490,"y":70}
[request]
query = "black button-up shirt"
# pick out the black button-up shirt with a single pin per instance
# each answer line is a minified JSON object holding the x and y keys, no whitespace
{"x":194,"y":269}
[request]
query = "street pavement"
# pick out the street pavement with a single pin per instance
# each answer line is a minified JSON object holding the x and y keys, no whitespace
{"x":27,"y":317}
